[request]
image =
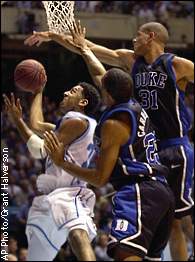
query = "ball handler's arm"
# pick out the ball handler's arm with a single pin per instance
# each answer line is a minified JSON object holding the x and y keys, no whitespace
{"x":68,"y":131}
{"x":34,"y":143}
{"x":37,"y":122}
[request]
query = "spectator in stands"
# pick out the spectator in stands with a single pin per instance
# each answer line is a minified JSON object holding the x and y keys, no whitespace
{"x":22,"y":254}
{"x":12,"y":257}
{"x":146,"y":14}
{"x":13,"y":246}
{"x":14,"y":192}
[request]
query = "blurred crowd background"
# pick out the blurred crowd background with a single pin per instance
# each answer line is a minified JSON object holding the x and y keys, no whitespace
{"x":146,"y":10}
{"x":65,"y":69}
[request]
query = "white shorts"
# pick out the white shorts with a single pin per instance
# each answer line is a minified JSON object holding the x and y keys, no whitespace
{"x":52,"y":217}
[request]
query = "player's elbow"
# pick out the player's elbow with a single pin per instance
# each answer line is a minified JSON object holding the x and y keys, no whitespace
{"x":37,"y":127}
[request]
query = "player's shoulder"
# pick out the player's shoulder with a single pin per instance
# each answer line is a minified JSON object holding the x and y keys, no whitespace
{"x":181,"y":61}
{"x":127,"y":57}
{"x":74,"y":123}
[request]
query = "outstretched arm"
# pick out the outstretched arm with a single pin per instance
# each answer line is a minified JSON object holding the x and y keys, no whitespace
{"x":14,"y":111}
{"x":36,"y":116}
{"x":111,"y":142}
{"x":95,"y":67}
{"x":122,"y":58}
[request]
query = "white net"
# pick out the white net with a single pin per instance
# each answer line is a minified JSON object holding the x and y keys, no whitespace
{"x":59,"y":15}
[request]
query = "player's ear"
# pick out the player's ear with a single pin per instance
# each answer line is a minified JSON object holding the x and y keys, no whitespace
{"x":83,"y":102}
{"x":152,"y":36}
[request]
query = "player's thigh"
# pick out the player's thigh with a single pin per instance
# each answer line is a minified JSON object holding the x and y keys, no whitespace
{"x":161,"y":235}
{"x":39,"y":247}
{"x":42,"y":228}
{"x":138,"y":211}
{"x":180,"y":161}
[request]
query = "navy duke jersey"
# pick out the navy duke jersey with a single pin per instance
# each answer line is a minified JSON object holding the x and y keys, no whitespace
{"x":138,"y":157}
{"x":156,"y":90}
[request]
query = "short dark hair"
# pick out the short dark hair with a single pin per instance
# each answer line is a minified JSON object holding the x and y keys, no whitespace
{"x":160,"y":30}
{"x":118,"y":84}
{"x":93,"y":96}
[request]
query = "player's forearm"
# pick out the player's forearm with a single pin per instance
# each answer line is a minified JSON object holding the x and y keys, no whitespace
{"x":91,"y":176}
{"x":36,"y":112}
{"x":95,"y":67}
{"x":104,"y":54}
{"x":65,"y":41}
{"x":37,"y":122}
{"x":24,"y":131}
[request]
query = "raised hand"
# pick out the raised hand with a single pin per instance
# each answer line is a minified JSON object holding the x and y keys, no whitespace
{"x":54,"y":148}
{"x":37,"y":38}
{"x":13,"y":108}
{"x":78,"y":34}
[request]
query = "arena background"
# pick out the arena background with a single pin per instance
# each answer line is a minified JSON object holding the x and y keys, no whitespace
{"x":110,"y":23}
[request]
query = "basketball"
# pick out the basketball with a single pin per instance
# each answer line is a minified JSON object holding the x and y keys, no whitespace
{"x":30,"y":76}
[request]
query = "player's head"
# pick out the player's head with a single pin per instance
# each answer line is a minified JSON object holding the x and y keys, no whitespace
{"x":149,"y":35}
{"x":117,"y":87}
{"x":83,"y":97}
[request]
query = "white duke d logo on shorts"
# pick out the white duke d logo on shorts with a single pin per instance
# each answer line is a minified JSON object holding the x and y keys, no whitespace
{"x":121,"y":225}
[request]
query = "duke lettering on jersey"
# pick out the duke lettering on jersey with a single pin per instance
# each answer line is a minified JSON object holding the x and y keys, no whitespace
{"x":157,"y":91}
{"x":150,"y":79}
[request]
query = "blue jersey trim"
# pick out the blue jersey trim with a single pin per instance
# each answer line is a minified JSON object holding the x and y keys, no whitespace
{"x":182,"y":109}
{"x":45,"y":235}
{"x":173,"y":142}
{"x":133,"y":126}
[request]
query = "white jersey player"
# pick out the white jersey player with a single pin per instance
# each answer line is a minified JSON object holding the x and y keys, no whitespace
{"x":65,"y":210}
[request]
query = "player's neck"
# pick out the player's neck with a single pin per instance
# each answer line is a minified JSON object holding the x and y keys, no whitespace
{"x":151,"y":56}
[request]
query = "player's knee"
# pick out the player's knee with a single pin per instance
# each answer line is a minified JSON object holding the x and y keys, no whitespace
{"x":78,"y":237}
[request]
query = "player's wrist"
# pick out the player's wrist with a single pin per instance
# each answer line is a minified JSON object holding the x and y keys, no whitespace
{"x":84,"y":50}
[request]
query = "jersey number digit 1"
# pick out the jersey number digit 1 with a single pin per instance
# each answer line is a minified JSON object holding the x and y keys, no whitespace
{"x":149,"y":99}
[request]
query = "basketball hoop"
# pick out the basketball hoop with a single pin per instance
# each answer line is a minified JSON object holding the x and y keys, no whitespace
{"x":60,"y":14}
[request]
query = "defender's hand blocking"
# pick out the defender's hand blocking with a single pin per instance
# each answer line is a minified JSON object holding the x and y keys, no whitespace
{"x":54,"y":148}
{"x":13,"y":108}
{"x":38,"y":38}
{"x":78,"y":35}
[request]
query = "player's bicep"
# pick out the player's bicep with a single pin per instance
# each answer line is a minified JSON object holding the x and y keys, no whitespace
{"x":120,"y":58}
{"x":70,"y":130}
{"x":184,"y":69}
{"x":113,"y":135}
{"x":106,"y":162}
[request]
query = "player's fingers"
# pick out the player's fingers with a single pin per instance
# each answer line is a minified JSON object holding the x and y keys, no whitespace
{"x":79,"y":27}
{"x":70,"y":27}
{"x":30,"y":40}
{"x":12,"y":99}
{"x":55,"y":138}
{"x":84,"y":31}
{"x":49,"y":141}
{"x":18,"y":104}
{"x":6,"y":100}
{"x":75,"y":27}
